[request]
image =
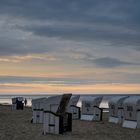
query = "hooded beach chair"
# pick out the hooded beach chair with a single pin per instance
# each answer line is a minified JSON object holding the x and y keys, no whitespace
{"x":18,"y":103}
{"x":56,"y":120}
{"x":90,"y":108}
{"x":73,"y":108}
{"x":37,"y":108}
{"x":116,"y":110}
{"x":132,"y":112}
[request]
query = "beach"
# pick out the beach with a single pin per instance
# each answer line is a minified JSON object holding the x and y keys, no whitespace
{"x":15,"y":125}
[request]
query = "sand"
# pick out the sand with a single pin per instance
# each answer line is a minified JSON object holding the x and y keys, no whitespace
{"x":15,"y":125}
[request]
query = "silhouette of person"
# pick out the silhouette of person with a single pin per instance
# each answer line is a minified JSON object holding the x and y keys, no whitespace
{"x":25,"y":101}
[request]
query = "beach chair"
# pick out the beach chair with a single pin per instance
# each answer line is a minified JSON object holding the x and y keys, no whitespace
{"x":37,"y":108}
{"x":73,"y":108}
{"x":56,"y":120}
{"x":116,"y":110}
{"x":90,"y":108}
{"x":18,"y":103}
{"x":131,"y":112}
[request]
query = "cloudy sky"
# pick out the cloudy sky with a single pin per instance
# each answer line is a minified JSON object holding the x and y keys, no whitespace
{"x":78,"y":46}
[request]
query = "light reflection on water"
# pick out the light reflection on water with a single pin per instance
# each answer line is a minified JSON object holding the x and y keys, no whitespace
{"x":9,"y":102}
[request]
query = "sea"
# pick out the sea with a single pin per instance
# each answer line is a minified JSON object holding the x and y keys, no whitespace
{"x":7,"y":99}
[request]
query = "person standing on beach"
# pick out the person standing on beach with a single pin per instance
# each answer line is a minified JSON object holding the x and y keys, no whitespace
{"x":25,"y":101}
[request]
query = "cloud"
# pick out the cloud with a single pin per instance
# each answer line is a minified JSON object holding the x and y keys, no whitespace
{"x":86,"y":32}
{"x":72,"y":10}
{"x":45,"y":80}
{"x":116,"y":22}
{"x":107,"y":62}
{"x":22,"y":58}
{"x":32,"y":28}
{"x":73,"y":42}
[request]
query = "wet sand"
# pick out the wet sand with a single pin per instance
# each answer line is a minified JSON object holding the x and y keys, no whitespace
{"x":15,"y":125}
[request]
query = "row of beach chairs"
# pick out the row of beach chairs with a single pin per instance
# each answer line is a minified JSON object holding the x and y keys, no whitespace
{"x":125,"y":110}
{"x":57,"y":112}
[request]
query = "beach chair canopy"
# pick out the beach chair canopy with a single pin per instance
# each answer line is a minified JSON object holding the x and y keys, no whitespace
{"x":15,"y":99}
{"x":38,"y":103}
{"x":57,"y":104}
{"x":38,"y":100}
{"x":74,"y":100}
{"x":88,"y":103}
{"x":93,"y":100}
{"x":132,"y":103}
{"x":117,"y":101}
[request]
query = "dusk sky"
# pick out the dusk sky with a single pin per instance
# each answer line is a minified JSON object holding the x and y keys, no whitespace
{"x":76,"y":46}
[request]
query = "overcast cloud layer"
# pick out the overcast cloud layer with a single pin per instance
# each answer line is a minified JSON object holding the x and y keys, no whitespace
{"x":86,"y":33}
{"x":115,"y":22}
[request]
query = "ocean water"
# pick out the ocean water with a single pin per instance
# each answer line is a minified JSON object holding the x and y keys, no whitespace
{"x":7,"y":99}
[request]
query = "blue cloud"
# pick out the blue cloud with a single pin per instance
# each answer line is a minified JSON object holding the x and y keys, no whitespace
{"x":107,"y":62}
{"x":115,"y":22}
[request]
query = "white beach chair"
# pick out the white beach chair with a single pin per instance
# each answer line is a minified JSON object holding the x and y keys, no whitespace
{"x":73,"y":108}
{"x":37,"y":108}
{"x":132,"y":112}
{"x":56,"y":120}
{"x":116,"y":110}
{"x":90,"y":108}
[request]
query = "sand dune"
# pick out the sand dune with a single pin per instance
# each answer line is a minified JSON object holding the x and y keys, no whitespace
{"x":15,"y":125}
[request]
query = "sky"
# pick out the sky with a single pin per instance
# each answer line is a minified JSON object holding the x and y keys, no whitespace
{"x":69,"y":46}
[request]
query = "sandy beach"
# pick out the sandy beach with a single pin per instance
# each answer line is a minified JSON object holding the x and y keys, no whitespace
{"x":15,"y":125}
